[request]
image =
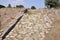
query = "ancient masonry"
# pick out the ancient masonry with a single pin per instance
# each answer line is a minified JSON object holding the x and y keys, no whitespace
{"x":31,"y":27}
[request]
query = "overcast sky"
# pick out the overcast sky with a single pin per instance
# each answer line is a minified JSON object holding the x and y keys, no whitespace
{"x":26,"y":3}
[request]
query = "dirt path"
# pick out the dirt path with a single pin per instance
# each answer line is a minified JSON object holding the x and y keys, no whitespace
{"x":54,"y":34}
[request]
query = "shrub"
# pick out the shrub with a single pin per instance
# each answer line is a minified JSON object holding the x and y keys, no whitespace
{"x":1,"y":6}
{"x":9,"y":6}
{"x":19,"y":6}
{"x":33,"y":7}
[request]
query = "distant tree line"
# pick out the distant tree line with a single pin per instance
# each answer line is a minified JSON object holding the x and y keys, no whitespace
{"x":48,"y":4}
{"x":17,"y":6}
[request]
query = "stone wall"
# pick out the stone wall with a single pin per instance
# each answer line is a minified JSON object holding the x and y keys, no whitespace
{"x":34,"y":25}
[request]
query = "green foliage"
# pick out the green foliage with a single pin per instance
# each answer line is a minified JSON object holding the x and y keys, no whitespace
{"x":52,"y":3}
{"x":9,"y":6}
{"x":1,"y":6}
{"x":33,"y":7}
{"x":19,"y":6}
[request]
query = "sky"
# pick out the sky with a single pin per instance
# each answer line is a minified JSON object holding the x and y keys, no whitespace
{"x":26,"y":3}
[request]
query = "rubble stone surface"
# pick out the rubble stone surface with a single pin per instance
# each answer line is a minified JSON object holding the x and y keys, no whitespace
{"x":34,"y":25}
{"x":31,"y":27}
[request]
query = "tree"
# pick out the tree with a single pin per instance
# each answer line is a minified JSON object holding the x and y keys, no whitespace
{"x":51,"y":3}
{"x":33,"y":7}
{"x":9,"y":6}
{"x":19,"y":6}
{"x":1,"y":6}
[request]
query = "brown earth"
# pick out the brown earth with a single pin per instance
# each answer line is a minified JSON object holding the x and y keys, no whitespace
{"x":54,"y":34}
{"x":7,"y":15}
